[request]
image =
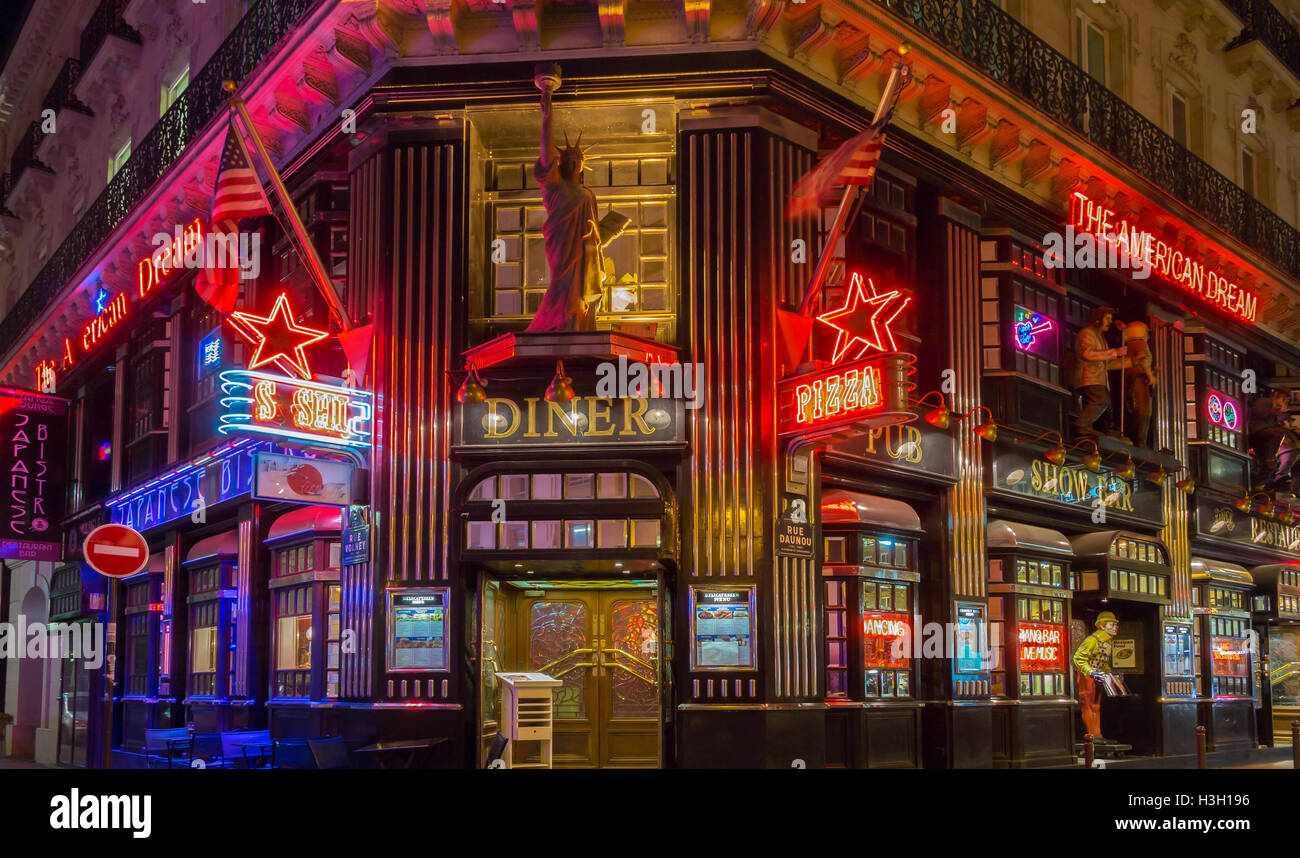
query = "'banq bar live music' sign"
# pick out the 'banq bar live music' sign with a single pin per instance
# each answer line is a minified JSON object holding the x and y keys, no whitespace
{"x":224,"y":473}
{"x":294,"y":410}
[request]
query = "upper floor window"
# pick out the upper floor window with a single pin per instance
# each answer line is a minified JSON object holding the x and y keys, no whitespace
{"x":1178,"y":124}
{"x":631,"y":169}
{"x":119,"y":158}
{"x":173,"y":90}
{"x":1090,"y":47}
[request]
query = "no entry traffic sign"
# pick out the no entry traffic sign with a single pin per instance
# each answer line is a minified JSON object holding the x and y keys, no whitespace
{"x":115,"y":550}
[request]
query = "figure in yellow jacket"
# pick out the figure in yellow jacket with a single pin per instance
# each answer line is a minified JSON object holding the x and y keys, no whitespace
{"x":1092,"y":661}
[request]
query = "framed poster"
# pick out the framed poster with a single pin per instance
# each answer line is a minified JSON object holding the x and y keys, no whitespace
{"x":1123,"y":654}
{"x":301,"y":480}
{"x":417,"y":629}
{"x":723,"y":627}
{"x":971,"y":639}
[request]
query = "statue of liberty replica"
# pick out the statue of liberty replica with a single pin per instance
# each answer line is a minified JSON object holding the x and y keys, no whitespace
{"x":572,"y":235}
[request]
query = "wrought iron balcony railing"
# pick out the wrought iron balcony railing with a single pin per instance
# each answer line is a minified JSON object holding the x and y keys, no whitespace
{"x":992,"y":41}
{"x":24,"y":157}
{"x":1261,"y":20}
{"x":203,"y":100}
{"x":107,"y":21}
{"x":62,"y":93}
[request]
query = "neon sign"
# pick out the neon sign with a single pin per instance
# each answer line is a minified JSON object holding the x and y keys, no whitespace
{"x":277,"y":338}
{"x":1031,"y":330}
{"x":862,"y":330}
{"x":1041,"y":647}
{"x":210,"y":349}
{"x":837,"y":393}
{"x":151,"y":271}
{"x":886,"y":639}
{"x":95,"y":330}
{"x":1172,"y":264}
{"x":219,"y":475}
{"x":154,"y":269}
{"x":1223,"y":411}
{"x":46,"y":377}
{"x":284,"y":407}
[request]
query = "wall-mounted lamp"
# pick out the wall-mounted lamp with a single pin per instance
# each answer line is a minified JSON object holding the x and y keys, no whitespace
{"x":561,"y":387}
{"x":1091,"y":461}
{"x":1158,"y":476}
{"x":1056,"y":454}
{"x":472,"y":388}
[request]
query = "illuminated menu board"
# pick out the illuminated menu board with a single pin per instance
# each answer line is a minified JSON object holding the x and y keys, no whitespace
{"x":417,"y":629}
{"x":722,"y":628}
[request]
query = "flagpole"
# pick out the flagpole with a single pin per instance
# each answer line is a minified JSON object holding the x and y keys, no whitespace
{"x":852,"y":195}
{"x":296,"y":228}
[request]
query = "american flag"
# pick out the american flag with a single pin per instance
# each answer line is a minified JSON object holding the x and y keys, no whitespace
{"x":238,"y":195}
{"x":853,"y":163}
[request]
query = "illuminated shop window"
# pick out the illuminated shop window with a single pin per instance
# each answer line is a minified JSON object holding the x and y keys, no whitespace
{"x":1230,"y":656}
{"x":1021,"y":309}
{"x":1041,"y":642}
{"x":1216,"y":410}
{"x":293,"y":637}
{"x":1284,"y":665}
{"x":837,"y":639}
{"x":555,"y":493}
{"x":870,"y":592}
{"x":887,"y":632}
{"x":632,"y":171}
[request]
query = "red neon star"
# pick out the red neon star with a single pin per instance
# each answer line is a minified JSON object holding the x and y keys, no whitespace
{"x":280,"y":342}
{"x":867,"y":329}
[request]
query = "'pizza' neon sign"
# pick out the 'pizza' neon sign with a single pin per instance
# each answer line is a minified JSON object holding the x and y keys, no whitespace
{"x":837,"y":393}
{"x":290,"y":408}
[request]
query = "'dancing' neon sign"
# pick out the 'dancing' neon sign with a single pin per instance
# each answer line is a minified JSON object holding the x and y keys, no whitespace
{"x":283,"y":407}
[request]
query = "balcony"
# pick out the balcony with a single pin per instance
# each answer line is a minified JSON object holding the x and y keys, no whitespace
{"x":105,"y":26}
{"x":69,"y":113}
{"x":25,"y":167}
{"x":1263,"y":23}
{"x":990,"y":40}
{"x":204,"y":100}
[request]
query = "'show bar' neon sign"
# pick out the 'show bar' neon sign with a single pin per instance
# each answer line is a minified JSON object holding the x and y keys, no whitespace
{"x":283,"y":407}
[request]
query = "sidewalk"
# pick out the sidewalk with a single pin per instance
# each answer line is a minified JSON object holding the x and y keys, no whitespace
{"x":19,"y":763}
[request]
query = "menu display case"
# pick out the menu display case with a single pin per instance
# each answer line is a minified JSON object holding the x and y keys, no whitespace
{"x":723,"y":628}
{"x":417,"y":629}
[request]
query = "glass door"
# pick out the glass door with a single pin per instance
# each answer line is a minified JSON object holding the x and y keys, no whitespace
{"x":603,"y":646}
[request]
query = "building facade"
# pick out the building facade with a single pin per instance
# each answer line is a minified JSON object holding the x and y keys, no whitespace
{"x":735,"y":568}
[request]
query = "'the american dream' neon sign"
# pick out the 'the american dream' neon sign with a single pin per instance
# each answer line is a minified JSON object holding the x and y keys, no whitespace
{"x":1171,"y":263}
